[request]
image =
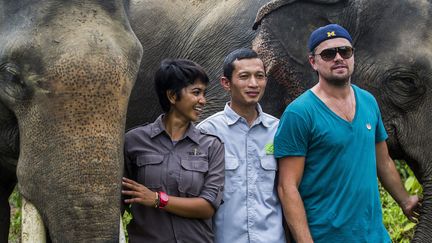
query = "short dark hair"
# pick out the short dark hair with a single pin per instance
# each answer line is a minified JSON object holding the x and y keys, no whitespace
{"x":239,"y":54}
{"x":176,"y":74}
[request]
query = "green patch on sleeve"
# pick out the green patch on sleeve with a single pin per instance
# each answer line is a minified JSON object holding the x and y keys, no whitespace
{"x":269,"y":148}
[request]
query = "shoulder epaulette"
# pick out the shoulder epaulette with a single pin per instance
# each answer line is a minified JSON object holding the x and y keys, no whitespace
{"x":140,"y":125}
{"x":203,"y":131}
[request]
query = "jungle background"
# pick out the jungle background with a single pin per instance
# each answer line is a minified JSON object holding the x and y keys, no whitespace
{"x":401,"y":230}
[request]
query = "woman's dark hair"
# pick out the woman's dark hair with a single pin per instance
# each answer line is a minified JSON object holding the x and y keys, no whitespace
{"x":239,"y":54}
{"x":176,"y":74}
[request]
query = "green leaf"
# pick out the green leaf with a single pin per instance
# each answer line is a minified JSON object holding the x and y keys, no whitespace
{"x":409,"y":226}
{"x":409,"y":183}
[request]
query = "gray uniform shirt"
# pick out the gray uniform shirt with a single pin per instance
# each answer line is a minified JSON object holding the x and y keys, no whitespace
{"x":192,"y":167}
{"x":251,"y":211}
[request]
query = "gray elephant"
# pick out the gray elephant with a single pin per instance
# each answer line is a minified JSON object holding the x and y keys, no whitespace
{"x":66,"y":72}
{"x":201,"y":30}
{"x":393,"y":61}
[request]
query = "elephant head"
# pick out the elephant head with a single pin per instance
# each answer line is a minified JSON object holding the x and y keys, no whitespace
{"x":204,"y":31}
{"x":393,"y":54}
{"x":66,"y":72}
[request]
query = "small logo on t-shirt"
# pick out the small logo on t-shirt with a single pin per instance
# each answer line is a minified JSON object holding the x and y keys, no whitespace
{"x":368,"y":126}
{"x":269,"y":148}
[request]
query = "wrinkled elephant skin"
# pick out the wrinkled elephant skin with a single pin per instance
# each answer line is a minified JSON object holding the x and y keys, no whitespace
{"x":66,"y":72}
{"x":201,"y":30}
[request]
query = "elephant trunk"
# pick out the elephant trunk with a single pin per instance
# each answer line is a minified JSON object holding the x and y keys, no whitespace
{"x":71,"y":137}
{"x":70,"y":167}
{"x":67,"y":70}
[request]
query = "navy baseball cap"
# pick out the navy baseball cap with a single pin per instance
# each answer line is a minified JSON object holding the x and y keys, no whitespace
{"x":326,"y":33}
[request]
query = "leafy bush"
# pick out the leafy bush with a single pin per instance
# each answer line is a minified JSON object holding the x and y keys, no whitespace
{"x":399,"y":227}
{"x":126,"y":219}
{"x":15,"y":222}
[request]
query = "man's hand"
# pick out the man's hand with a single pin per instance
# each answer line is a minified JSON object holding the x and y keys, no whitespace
{"x":410,"y":208}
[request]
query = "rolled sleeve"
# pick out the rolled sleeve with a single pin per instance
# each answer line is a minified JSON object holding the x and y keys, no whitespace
{"x":212,"y":190}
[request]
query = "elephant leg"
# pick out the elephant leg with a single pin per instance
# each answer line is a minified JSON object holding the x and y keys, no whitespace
{"x":5,"y":191}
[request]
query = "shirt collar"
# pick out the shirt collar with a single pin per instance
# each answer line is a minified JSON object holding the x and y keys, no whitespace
{"x":232,"y":117}
{"x":158,"y":128}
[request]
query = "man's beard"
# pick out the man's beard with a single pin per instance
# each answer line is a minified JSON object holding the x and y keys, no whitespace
{"x":338,"y":81}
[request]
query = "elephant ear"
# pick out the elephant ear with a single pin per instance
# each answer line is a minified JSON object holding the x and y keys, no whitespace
{"x":275,"y":4}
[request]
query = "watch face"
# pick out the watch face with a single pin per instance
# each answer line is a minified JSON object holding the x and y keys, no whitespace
{"x":164,"y":197}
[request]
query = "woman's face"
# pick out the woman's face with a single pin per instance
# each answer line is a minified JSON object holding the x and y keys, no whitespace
{"x":192,"y":101}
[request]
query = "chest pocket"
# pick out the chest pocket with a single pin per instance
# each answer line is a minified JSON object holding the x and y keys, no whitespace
{"x":267,"y":173}
{"x":150,"y":170}
{"x":232,"y":176}
{"x":192,"y":174}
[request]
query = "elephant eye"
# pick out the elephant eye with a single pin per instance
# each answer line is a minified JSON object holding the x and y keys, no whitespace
{"x":11,"y":84}
{"x":404,"y":89}
{"x":10,"y":74}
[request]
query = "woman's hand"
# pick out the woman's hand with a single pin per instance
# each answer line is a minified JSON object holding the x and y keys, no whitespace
{"x":138,"y":193}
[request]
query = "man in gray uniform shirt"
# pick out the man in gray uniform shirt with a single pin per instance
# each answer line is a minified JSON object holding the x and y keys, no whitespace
{"x":251,"y":211}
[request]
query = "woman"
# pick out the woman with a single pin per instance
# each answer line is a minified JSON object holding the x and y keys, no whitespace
{"x":176,"y":172}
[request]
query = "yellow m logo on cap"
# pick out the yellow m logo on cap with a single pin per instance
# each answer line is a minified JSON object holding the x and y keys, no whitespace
{"x":330,"y":34}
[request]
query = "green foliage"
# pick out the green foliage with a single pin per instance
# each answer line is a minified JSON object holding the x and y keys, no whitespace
{"x":399,"y":227}
{"x":126,"y":219}
{"x":15,"y":222}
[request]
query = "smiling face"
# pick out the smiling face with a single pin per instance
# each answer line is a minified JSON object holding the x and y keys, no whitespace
{"x":247,"y":84}
{"x":337,"y":71}
{"x":191,"y":102}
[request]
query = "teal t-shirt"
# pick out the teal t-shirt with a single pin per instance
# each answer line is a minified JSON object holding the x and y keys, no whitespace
{"x":339,"y":187}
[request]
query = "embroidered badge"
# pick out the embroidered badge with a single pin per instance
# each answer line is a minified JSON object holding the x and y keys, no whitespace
{"x":368,"y":126}
{"x":330,"y":34}
{"x":269,"y":148}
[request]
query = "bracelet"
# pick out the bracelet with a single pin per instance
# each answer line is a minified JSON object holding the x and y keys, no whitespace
{"x":156,"y":201}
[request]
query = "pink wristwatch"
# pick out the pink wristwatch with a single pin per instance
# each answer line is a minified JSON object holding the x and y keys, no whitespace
{"x":162,"y":199}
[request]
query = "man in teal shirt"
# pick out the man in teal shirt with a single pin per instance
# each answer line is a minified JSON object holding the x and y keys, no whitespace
{"x":331,"y":148}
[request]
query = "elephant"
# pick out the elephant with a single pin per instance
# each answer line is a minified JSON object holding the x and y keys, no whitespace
{"x":393,"y":55}
{"x":67,"y":69}
{"x":392,"y":62}
{"x":200,"y":30}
